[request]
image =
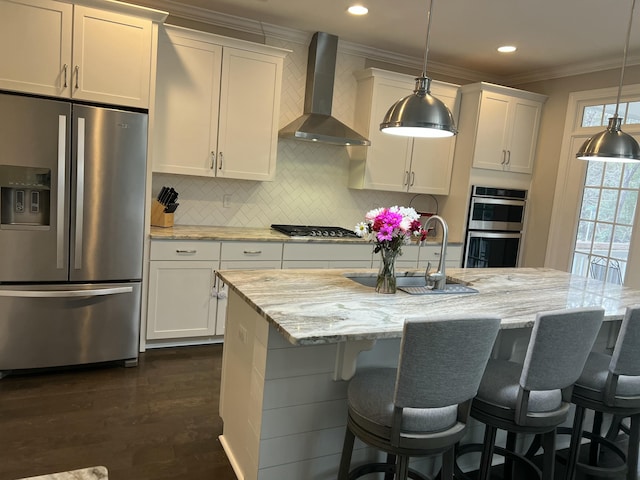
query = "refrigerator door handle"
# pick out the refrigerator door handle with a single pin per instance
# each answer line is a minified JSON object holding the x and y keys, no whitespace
{"x":65,"y":293}
{"x":62,"y":185}
{"x":77,"y":262}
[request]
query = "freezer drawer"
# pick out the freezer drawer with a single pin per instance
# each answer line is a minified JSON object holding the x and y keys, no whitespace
{"x":58,"y":325}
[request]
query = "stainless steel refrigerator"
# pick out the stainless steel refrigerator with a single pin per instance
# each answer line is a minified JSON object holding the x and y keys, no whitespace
{"x":72,"y":191}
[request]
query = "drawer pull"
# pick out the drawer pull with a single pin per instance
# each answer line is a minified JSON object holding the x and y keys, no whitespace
{"x":252,"y":252}
{"x":186,"y":251}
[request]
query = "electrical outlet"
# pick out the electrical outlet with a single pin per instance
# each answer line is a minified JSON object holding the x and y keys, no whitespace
{"x":226,"y":200}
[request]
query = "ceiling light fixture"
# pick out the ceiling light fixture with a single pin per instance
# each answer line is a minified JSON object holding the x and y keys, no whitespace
{"x":507,"y":49}
{"x":420,"y":114}
{"x":613,"y":145}
{"x":358,"y":10}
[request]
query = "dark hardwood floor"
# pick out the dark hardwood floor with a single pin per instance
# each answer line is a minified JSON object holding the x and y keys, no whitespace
{"x":157,"y":421}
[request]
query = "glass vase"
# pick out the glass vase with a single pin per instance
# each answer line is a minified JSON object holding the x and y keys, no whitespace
{"x":386,"y":282}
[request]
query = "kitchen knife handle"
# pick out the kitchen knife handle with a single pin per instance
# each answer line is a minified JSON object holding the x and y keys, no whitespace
{"x":65,"y":67}
{"x":62,"y":187}
{"x":77,"y":69}
{"x":213,"y":160}
{"x":221,"y":160}
{"x":96,"y":292}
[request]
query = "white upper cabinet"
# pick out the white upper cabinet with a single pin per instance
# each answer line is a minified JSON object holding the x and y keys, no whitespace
{"x":394,"y":163}
{"x":506,"y":126}
{"x":217,"y":106}
{"x":35,"y":46}
{"x":75,"y":51}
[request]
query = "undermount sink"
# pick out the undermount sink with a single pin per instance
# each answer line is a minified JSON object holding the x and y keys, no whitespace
{"x":415,"y":285}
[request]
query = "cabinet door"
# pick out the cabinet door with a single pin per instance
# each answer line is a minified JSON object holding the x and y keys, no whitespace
{"x":181,"y":303}
{"x":389,"y":156}
{"x":223,"y":288}
{"x":432,"y":158}
{"x":249,"y":115}
{"x":524,"y":132}
{"x":186,"y":106}
{"x":111,"y":57}
{"x":491,"y":135}
{"x":35,"y":46}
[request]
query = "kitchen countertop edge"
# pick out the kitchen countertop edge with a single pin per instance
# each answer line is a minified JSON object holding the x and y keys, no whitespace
{"x":247,"y":234}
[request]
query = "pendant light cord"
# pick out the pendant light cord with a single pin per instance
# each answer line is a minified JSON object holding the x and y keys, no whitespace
{"x":624,"y":57}
{"x":426,"y":47}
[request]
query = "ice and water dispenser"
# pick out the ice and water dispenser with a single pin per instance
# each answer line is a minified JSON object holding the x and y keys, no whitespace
{"x":25,"y":193}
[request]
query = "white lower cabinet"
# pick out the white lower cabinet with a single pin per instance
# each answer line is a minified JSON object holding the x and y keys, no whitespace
{"x":431,"y":253}
{"x":182,"y":298}
{"x":326,"y":255}
{"x":244,"y":256}
{"x":187,"y":303}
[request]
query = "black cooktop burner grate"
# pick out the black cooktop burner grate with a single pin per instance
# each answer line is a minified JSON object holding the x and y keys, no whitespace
{"x":313,"y":231}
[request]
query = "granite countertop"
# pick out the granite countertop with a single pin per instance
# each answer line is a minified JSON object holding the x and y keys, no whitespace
{"x":92,"y":473}
{"x":324,"y":306}
{"x":248,"y":234}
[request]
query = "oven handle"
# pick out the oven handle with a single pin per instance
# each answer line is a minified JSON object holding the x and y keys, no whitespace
{"x":484,"y":234}
{"x":498,"y":201}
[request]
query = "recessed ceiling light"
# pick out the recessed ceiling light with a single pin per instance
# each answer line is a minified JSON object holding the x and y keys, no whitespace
{"x":358,"y":10}
{"x":507,"y":49}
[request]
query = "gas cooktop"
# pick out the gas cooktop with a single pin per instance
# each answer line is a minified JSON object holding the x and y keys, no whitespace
{"x":313,"y":231}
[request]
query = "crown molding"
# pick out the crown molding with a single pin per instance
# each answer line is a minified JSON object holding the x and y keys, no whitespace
{"x":265,"y":30}
{"x":570,"y":70}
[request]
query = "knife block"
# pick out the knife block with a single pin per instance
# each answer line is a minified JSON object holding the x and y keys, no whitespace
{"x":158,"y":217}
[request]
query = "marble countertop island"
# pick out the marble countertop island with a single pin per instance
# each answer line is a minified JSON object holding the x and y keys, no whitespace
{"x":324,"y":306}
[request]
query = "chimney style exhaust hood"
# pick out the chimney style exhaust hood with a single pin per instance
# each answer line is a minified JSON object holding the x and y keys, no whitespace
{"x":316,"y":123}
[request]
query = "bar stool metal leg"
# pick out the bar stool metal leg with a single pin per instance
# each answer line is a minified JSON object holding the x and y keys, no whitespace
{"x":574,"y":448}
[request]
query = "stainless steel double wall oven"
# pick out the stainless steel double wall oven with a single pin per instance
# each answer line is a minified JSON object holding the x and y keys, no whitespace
{"x":494,"y":227}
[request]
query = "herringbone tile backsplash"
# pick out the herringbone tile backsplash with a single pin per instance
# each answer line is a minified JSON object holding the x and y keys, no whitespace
{"x":310,"y":186}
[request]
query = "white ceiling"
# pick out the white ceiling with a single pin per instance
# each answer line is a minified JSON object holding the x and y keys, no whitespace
{"x":554,"y":37}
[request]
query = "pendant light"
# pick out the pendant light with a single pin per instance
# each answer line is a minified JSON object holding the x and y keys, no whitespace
{"x":420,"y":114}
{"x":613,"y":145}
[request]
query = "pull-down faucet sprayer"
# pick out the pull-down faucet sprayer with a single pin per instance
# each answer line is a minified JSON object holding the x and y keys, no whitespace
{"x":438,"y":279}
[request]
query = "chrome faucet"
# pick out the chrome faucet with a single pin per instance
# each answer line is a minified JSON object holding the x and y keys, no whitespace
{"x":438,"y":279}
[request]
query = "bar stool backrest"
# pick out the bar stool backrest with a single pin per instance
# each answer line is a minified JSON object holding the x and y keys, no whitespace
{"x":626,"y":353}
{"x":559,"y":346}
{"x":442,"y":361}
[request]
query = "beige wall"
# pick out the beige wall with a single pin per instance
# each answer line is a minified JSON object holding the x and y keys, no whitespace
{"x":548,"y":150}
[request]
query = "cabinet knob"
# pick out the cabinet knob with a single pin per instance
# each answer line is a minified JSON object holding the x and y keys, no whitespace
{"x":252,"y":252}
{"x":413,"y":178}
{"x":221,"y":156}
{"x":406,"y":178}
{"x":508,"y":157}
{"x":504,"y":157}
{"x":65,"y":67}
{"x":77,"y":69}
{"x":187,"y":251}
{"x":213,"y":160}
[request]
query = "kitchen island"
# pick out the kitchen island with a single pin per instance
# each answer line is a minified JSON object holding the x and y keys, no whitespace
{"x":293,"y":338}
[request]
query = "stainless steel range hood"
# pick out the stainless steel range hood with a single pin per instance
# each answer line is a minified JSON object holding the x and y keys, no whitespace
{"x":316,"y":124}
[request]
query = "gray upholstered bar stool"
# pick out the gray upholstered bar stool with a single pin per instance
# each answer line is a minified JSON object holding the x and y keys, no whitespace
{"x":609,"y":384}
{"x":534,"y":397}
{"x":421,"y":408}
